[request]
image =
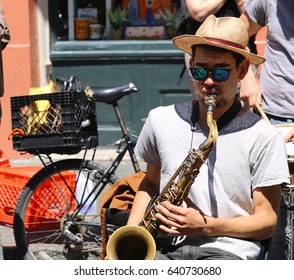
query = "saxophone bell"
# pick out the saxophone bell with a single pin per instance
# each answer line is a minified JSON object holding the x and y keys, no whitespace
{"x":131,"y":243}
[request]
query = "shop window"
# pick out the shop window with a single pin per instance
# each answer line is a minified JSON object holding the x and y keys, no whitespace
{"x":120,"y":19}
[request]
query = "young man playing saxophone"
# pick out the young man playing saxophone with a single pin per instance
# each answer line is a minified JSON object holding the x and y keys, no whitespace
{"x":234,"y":202}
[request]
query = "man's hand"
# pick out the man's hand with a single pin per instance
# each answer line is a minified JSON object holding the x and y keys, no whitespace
{"x":177,"y":220}
{"x":289,"y":137}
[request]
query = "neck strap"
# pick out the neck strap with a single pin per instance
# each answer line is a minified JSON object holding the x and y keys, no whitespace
{"x":223,"y":120}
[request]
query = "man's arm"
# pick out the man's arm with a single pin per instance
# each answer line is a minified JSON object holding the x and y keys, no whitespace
{"x":201,"y":9}
{"x":240,"y":4}
{"x":250,"y":91}
{"x":147,"y":189}
{"x":4,"y":30}
{"x":252,"y":26}
{"x":289,"y":137}
{"x":260,"y":225}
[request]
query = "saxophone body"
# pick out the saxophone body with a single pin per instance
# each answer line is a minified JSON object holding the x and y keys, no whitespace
{"x":137,"y":242}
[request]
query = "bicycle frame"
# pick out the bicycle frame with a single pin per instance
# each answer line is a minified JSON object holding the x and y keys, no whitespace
{"x":125,"y":145}
{"x":75,"y":185}
{"x":128,"y":146}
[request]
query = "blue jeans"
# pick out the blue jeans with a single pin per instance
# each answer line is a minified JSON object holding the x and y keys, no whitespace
{"x":278,"y":244}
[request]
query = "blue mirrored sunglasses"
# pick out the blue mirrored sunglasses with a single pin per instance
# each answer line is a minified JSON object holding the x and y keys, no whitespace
{"x":218,"y":75}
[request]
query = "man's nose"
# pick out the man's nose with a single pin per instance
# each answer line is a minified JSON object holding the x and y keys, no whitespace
{"x":209,"y":80}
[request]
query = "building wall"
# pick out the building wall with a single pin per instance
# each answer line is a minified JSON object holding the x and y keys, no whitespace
{"x":260,"y":42}
{"x":20,"y":59}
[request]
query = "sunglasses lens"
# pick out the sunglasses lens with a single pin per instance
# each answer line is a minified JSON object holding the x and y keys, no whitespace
{"x":199,"y":73}
{"x":220,"y":74}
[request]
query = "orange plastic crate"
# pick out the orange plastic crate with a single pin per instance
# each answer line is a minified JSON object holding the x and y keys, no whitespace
{"x":47,"y":202}
{"x":4,"y":160}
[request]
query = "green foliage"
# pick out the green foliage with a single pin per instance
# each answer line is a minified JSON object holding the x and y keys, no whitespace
{"x":172,"y":19}
{"x":117,"y":18}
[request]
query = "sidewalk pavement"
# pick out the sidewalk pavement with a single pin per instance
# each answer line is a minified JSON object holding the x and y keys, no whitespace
{"x":103,"y":155}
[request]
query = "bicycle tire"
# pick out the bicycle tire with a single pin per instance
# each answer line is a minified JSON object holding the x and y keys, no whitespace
{"x":47,"y":222}
{"x":288,"y":196}
{"x":290,"y":235}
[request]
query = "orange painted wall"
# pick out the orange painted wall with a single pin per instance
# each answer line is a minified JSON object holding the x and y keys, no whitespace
{"x":19,"y":60}
{"x":260,"y":42}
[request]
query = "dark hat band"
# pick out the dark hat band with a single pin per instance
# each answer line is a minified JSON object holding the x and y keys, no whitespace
{"x":224,"y":42}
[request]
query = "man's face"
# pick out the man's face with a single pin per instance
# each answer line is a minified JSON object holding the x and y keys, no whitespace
{"x":210,"y":60}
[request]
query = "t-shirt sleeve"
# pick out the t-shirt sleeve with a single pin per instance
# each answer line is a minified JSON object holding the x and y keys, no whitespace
{"x":274,"y":159}
{"x":146,"y":145}
{"x":257,"y":11}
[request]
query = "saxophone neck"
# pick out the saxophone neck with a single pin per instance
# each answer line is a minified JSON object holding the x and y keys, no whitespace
{"x":210,"y":102}
{"x":209,"y":144}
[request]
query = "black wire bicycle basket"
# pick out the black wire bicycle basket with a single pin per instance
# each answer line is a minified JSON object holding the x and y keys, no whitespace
{"x":58,"y":122}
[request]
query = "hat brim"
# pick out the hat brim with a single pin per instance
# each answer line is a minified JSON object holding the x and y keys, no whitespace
{"x":185,"y":43}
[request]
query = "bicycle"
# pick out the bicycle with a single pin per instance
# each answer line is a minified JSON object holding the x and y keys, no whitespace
{"x":57,"y":208}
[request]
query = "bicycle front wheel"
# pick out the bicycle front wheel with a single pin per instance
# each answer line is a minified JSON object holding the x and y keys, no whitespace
{"x":289,"y":199}
{"x":57,"y":215}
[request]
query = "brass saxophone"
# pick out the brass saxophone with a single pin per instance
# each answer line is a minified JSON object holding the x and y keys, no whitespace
{"x":137,"y":242}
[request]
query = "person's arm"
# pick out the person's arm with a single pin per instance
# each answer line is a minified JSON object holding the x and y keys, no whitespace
{"x":252,"y":26}
{"x":250,"y":91}
{"x":259,"y":226}
{"x":289,"y":137}
{"x":4,"y":30}
{"x":201,"y":9}
{"x":240,"y":4}
{"x":147,"y":189}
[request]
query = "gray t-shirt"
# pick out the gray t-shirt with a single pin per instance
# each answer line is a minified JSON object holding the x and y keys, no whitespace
{"x":247,"y":154}
{"x":277,"y":75}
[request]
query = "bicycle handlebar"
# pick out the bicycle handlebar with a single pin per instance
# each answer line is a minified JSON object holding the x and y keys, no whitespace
{"x":66,"y":85}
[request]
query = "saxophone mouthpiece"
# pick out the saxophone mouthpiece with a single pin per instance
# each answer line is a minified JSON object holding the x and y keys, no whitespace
{"x":210,"y":102}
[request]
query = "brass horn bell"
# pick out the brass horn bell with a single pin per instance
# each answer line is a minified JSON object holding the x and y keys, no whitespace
{"x":131,"y":243}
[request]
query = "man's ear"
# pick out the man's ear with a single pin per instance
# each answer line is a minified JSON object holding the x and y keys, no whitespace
{"x":243,"y":68}
{"x":191,"y":62}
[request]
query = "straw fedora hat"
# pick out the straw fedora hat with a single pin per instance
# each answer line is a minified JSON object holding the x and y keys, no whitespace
{"x":225,"y":32}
